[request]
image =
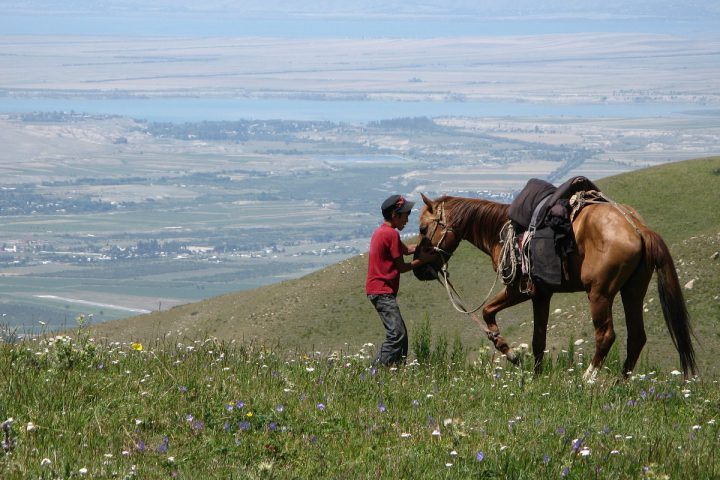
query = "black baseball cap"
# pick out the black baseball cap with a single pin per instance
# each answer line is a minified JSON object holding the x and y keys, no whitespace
{"x":397,"y":204}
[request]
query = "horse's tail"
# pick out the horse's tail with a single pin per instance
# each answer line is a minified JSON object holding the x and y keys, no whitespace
{"x":671,"y":299}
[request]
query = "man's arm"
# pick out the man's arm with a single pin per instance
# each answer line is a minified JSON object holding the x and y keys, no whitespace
{"x":423,"y":258}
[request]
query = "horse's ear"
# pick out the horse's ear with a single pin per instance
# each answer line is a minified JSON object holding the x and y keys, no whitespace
{"x":429,"y":203}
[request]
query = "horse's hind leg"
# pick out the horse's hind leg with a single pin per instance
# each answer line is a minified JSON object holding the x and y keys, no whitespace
{"x":601,"y":312}
{"x":632,"y":295}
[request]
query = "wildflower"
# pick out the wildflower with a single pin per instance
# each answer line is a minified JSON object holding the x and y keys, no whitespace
{"x":675,"y":373}
{"x":436,"y":432}
{"x":244,"y":426}
{"x":696,"y":427}
{"x":453,"y":453}
{"x":565,"y":472}
{"x":415,"y":403}
{"x":279,"y":409}
{"x":272,"y":427}
{"x":198,"y":425}
{"x":249,"y":414}
{"x":30,"y":427}
{"x":577,"y":443}
{"x":546,"y":459}
{"x":45,"y":461}
{"x":310,"y":369}
{"x":579,"y":342}
{"x":381,"y":407}
{"x":229,"y":407}
{"x":321,"y":406}
{"x":480,"y":456}
{"x":405,"y":435}
{"x":83,"y":471}
{"x":631,"y":403}
{"x":189,"y":418}
{"x":140,"y":446}
{"x":448,"y":464}
{"x":585,"y":452}
{"x":163,"y":447}
{"x":136,"y":346}
{"x":240,"y":404}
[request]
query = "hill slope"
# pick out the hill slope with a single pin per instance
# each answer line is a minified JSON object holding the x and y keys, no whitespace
{"x":327,"y":310}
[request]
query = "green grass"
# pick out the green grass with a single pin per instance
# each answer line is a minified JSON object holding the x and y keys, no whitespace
{"x":213,"y":409}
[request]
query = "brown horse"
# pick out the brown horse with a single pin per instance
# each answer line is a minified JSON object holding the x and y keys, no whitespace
{"x":616,"y":252}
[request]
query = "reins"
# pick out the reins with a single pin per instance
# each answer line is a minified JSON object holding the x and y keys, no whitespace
{"x":453,"y":294}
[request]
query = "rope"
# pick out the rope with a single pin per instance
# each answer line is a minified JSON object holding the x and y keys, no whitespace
{"x":580,"y":199}
{"x":458,"y":305}
{"x":507,"y":252}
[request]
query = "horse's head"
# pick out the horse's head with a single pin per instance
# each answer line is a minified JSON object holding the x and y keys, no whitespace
{"x":435,"y":228}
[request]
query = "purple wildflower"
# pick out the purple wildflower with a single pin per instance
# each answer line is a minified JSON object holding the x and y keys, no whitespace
{"x":480,"y":456}
{"x":183,"y":389}
{"x":140,"y":446}
{"x":226,"y":426}
{"x":643,"y":394}
{"x":381,"y":407}
{"x":229,"y":407}
{"x":321,"y":406}
{"x":198,"y":425}
{"x":577,"y":443}
{"x":373,"y":371}
{"x":189,"y":418}
{"x":272,"y":427}
{"x":631,"y":403}
{"x":565,"y":472}
{"x":240,"y":404}
{"x":546,"y":459}
{"x":279,"y":409}
{"x":244,"y":426}
{"x":163,"y":448}
{"x":561,"y":430}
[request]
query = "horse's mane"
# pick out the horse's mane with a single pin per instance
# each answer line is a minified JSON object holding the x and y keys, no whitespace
{"x":478,"y":221}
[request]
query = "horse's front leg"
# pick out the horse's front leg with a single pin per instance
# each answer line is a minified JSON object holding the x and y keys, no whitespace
{"x":541,"y":312}
{"x":507,"y":297}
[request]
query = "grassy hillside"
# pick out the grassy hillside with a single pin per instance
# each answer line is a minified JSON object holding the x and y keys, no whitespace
{"x":327,"y":310}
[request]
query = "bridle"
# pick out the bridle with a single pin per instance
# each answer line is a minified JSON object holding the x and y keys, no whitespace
{"x":439,"y":221}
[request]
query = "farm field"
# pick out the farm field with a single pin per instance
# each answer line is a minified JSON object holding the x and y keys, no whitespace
{"x":155,"y":220}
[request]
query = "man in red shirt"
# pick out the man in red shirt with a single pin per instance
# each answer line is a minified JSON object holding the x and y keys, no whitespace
{"x":385,"y":264}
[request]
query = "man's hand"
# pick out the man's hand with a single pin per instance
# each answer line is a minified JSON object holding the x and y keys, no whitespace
{"x":426,"y":255}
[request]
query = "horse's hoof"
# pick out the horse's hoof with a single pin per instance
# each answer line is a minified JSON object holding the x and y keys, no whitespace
{"x":513,"y":357}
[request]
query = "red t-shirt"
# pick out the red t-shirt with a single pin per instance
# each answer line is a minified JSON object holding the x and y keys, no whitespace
{"x":383,"y":275}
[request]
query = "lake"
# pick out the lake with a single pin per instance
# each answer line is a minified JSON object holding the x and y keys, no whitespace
{"x":178,"y":110}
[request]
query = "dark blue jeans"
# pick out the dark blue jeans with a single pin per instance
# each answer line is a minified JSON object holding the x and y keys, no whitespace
{"x":395,"y":348}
